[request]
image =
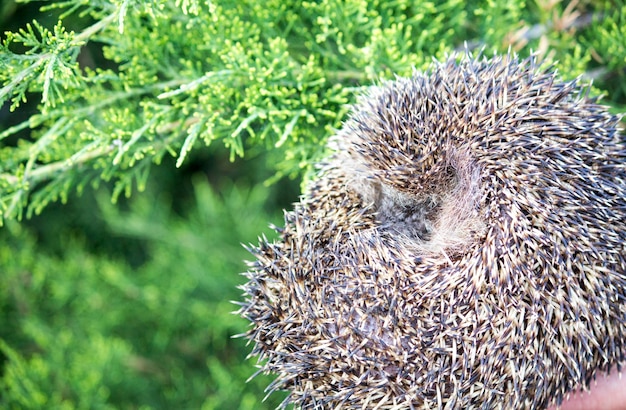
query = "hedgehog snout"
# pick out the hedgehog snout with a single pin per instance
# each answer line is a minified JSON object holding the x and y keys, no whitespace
{"x":407,"y":214}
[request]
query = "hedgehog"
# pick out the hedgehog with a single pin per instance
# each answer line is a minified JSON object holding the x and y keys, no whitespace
{"x":462,"y":246}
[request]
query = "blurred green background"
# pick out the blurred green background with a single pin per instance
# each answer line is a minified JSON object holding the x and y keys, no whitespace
{"x":127,"y":305}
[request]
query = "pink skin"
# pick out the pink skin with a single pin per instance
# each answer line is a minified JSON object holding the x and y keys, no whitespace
{"x":606,"y":393}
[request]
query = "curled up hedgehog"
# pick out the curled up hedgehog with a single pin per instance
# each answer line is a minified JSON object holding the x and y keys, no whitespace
{"x":463,"y":247}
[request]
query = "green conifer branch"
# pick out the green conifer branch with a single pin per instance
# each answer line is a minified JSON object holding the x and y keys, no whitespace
{"x":179,"y":75}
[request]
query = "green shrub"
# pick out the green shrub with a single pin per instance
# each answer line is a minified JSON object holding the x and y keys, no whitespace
{"x":86,"y":331}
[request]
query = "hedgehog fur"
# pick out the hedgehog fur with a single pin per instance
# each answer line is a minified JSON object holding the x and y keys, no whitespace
{"x":462,"y":247}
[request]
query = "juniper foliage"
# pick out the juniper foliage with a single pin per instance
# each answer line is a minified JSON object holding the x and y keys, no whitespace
{"x":87,"y":330}
{"x":178,"y":75}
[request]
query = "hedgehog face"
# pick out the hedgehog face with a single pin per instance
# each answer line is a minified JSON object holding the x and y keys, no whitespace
{"x":434,"y":217}
{"x":464,"y":247}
